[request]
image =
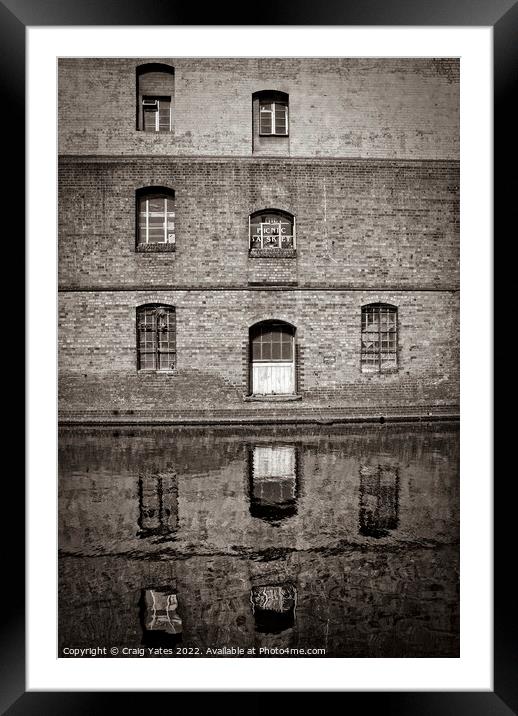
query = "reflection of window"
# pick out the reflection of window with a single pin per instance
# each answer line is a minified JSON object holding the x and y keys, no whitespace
{"x":156,"y":216}
{"x":160,"y":620}
{"x":272,"y":230}
{"x":155,"y":90}
{"x":379,"y":500}
{"x":274,"y":607}
{"x":156,"y":329}
{"x":158,"y":504}
{"x":273,"y":474}
{"x":379,"y":338}
{"x":273,"y":117}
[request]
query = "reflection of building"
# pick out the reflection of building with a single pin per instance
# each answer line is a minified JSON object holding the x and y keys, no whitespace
{"x":379,"y":500}
{"x":159,"y":618}
{"x":273,"y":481}
{"x":274,"y":607}
{"x":158,"y":504}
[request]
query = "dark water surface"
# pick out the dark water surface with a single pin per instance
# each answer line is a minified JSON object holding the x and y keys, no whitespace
{"x":344,"y":539}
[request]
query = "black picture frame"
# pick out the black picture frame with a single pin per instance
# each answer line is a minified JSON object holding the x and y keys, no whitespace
{"x":502,"y":16}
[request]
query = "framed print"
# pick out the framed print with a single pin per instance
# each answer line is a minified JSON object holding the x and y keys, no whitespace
{"x":255,"y":368}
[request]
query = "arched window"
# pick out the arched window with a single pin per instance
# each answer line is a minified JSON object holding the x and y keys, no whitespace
{"x":156,"y":337}
{"x":272,"y":108}
{"x":155,"y":92}
{"x":272,"y":229}
{"x":155,"y":217}
{"x":379,"y":338}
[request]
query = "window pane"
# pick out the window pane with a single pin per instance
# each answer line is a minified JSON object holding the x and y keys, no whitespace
{"x":157,"y":204}
{"x":149,"y":120}
{"x":266,"y":119}
{"x":164,"y":121}
{"x":155,"y":235}
{"x":267,"y":351}
{"x":276,"y":351}
{"x":280,"y":118}
{"x":271,"y":241}
{"x":147,"y":361}
{"x":287,"y":353}
{"x":280,"y":125}
{"x":156,"y":221}
{"x":167,"y":361}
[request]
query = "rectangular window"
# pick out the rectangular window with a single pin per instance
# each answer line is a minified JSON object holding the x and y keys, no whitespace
{"x":156,"y":114}
{"x":273,"y":118}
{"x":156,"y":220}
{"x":156,"y":343}
{"x":379,"y":339}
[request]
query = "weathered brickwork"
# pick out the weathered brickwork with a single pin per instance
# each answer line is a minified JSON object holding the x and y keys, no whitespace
{"x":389,"y":108}
{"x":358,"y":224}
{"x":98,"y":359}
{"x":371,"y":177}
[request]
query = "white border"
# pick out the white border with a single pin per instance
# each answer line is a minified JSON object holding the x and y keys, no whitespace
{"x":473,"y":670}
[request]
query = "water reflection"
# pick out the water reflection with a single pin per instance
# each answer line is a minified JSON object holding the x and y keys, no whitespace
{"x":274,"y":607}
{"x":161,"y":624}
{"x":379,"y":500}
{"x":273,"y":475}
{"x":160,"y":539}
{"x":158,"y":505}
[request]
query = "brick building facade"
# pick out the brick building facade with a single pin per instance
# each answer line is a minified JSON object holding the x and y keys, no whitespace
{"x":258,"y":238}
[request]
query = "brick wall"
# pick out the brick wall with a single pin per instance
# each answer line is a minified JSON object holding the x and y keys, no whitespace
{"x":97,"y":348}
{"x":371,"y":176}
{"x":405,"y":108}
{"x":358,"y":223}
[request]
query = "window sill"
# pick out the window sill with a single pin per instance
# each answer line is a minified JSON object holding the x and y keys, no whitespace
{"x":272,"y":253}
{"x":281,"y":136}
{"x":153,"y":371}
{"x":287,"y":398}
{"x":155,"y":248}
{"x":379,"y":374}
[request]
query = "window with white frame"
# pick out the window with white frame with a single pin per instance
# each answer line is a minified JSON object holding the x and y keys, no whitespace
{"x":272,"y":229}
{"x":156,"y":337}
{"x":273,"y":117}
{"x":156,"y":114}
{"x":156,"y":217}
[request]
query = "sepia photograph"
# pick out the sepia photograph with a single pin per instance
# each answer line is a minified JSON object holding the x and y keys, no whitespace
{"x":258,"y":357}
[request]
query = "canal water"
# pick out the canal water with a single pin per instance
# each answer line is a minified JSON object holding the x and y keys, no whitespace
{"x":260,"y":542}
